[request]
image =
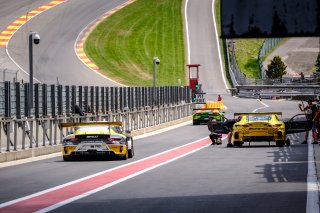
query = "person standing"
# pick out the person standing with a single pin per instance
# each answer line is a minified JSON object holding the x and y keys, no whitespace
{"x":310,"y":112}
{"x":316,"y":123}
{"x":219,"y":98}
{"x":229,"y":124}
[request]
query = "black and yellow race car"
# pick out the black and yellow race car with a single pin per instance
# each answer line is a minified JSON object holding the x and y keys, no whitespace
{"x":97,"y":139}
{"x":263,"y":127}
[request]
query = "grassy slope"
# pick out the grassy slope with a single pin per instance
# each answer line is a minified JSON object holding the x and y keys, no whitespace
{"x":123,"y":46}
{"x":247,"y":51}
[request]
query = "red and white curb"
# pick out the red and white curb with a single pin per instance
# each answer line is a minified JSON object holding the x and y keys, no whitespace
{"x":7,"y":34}
{"x":79,"y":46}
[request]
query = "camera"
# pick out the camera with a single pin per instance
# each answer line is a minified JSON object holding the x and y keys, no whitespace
{"x":156,"y":60}
{"x":36,"y":38}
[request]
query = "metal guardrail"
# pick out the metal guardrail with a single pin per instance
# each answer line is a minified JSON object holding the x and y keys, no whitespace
{"x":58,"y":100}
{"x":272,"y":91}
{"x":33,"y":132}
{"x":135,"y":107}
{"x":268,"y":45}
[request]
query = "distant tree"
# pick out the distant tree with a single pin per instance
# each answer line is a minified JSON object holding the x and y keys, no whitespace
{"x":317,"y":64}
{"x":276,"y":68}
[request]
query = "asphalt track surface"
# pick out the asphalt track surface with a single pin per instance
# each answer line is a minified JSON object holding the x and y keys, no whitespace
{"x":259,"y":178}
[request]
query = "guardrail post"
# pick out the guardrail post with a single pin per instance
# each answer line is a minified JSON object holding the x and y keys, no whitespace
{"x":80,"y":97}
{"x":97,"y":101}
{"x":53,"y":113}
{"x":92,"y":99}
{"x":67,"y":100}
{"x":36,"y":101}
{"x":108,"y":99}
{"x":73,"y":99}
{"x":44,"y":100}
{"x":18,"y":100}
{"x":102,"y":97}
{"x":121,"y":98}
{"x":26,"y":100}
{"x":86,"y":98}
{"x":125,"y":97}
{"x":53,"y":100}
{"x":130,"y":98}
{"x":116,"y":98}
{"x":60,"y":100}
{"x":112,"y":98}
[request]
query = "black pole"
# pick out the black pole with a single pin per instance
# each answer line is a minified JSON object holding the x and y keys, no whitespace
{"x":30,"y":72}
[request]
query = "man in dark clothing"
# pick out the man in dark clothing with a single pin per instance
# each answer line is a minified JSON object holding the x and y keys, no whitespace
{"x":213,"y":136}
{"x":229,"y":124}
{"x":310,"y":112}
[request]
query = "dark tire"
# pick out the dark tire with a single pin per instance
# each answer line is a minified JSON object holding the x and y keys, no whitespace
{"x":280,"y":143}
{"x":288,"y":142}
{"x":238,"y":144}
{"x":131,"y":151}
{"x":67,"y":158}
{"x":196,"y":123}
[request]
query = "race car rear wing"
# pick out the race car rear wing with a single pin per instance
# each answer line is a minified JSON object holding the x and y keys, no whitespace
{"x":207,"y":109}
{"x":99,"y":123}
{"x":258,"y":113}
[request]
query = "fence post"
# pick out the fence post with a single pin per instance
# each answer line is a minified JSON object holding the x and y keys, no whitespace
{"x":36,"y":101}
{"x":26,"y":101}
{"x":97,"y":100}
{"x":44,"y":100}
{"x":67,"y":100}
{"x":92,"y":99}
{"x":60,"y":100}
{"x":103,"y":104}
{"x":80,"y":97}
{"x":73,"y":98}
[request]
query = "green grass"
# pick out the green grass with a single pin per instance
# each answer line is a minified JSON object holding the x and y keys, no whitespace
{"x":247,"y":51}
{"x":123,"y":45}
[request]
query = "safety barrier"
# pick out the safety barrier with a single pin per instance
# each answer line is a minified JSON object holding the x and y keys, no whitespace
{"x":140,"y":109}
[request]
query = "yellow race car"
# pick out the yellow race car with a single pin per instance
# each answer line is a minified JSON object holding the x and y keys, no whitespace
{"x":262,"y":126}
{"x":97,"y":139}
{"x":259,"y":127}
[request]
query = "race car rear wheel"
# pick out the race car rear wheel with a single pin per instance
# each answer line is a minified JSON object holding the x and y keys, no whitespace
{"x":196,"y":123}
{"x":236,"y":143}
{"x":67,"y":158}
{"x":280,"y":143}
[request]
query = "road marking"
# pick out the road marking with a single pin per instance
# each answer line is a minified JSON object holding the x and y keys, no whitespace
{"x":265,"y":106}
{"x":61,"y":195}
{"x":83,"y":35}
{"x":312,"y":181}
{"x":218,"y":45}
{"x":18,"y":23}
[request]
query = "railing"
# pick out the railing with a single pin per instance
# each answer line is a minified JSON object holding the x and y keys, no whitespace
{"x":268,"y":45}
{"x":22,"y":127}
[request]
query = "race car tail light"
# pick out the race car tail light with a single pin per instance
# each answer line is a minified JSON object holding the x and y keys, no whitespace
{"x":274,"y":125}
{"x":241,"y":126}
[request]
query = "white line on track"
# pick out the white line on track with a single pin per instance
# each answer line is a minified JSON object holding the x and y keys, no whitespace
{"x":57,"y":205}
{"x":312,"y":181}
{"x":312,"y":205}
{"x":218,"y":45}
